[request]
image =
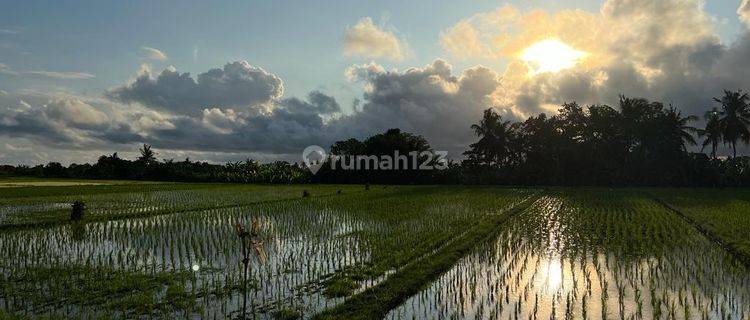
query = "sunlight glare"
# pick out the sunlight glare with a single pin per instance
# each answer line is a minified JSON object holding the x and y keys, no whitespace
{"x":554,"y":275}
{"x":551,"y":55}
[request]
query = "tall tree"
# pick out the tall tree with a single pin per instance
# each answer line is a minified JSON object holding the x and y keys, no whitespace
{"x":148,"y":156}
{"x":712,"y":133}
{"x":495,"y":137}
{"x":640,"y":125}
{"x":350,"y":147}
{"x":678,"y":129}
{"x":735,"y":118}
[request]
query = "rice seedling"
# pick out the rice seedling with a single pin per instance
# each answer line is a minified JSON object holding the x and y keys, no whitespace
{"x":493,"y":253}
{"x":50,"y":206}
{"x":724,"y":215}
{"x":186,"y":261}
{"x":639,"y":256}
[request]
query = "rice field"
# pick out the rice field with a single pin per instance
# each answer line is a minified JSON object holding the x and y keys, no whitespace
{"x":21,"y":207}
{"x":395,"y":252}
{"x":723,"y":213}
{"x":590,"y":256}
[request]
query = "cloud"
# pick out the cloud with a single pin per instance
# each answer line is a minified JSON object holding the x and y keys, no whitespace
{"x":481,"y":35}
{"x":367,"y":40}
{"x":9,"y":31}
{"x":75,"y":113}
{"x":71,"y":122}
{"x":288,"y":127}
{"x":6,"y":70}
{"x":154,"y":54}
{"x":661,"y":50}
{"x":666,"y":50}
{"x":430,"y":101}
{"x":61,"y":75}
{"x":744,"y":12}
{"x":237,"y":84}
{"x":61,"y":119}
{"x":317,"y":103}
{"x":463,"y":41}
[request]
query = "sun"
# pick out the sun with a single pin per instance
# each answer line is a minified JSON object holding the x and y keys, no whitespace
{"x":551,"y":55}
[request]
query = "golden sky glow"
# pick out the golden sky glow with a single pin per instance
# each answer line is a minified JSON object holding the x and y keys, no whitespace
{"x":551,"y":55}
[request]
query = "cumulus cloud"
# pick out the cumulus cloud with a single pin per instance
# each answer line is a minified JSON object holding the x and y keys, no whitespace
{"x":744,"y":12}
{"x":464,"y":41}
{"x":666,"y":50}
{"x":288,"y":127}
{"x":317,"y":102}
{"x":61,"y":75}
{"x":481,"y":35}
{"x":430,"y":100}
{"x":62,"y":119}
{"x":154,"y":54}
{"x":75,"y":113}
{"x":70,"y":122}
{"x":365,"y":39}
{"x":662,"y":50}
{"x":237,"y":84}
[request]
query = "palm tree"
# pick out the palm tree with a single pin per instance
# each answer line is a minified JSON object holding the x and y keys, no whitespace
{"x":713,"y":131}
{"x":735,"y":117}
{"x":494,"y":135}
{"x":678,"y":128}
{"x":148,"y":155}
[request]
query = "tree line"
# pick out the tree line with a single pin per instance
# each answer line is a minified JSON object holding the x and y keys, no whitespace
{"x":637,"y":143}
{"x":148,"y":167}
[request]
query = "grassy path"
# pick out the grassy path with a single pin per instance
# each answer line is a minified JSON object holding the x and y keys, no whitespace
{"x":377,"y":301}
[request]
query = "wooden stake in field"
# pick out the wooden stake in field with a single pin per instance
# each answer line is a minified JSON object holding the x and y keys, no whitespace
{"x":251,"y":243}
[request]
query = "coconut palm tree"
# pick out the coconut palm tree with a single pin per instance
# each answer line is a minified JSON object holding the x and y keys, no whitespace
{"x":148,"y":156}
{"x":494,"y":135}
{"x":678,"y":128}
{"x":712,"y":133}
{"x":735,"y":118}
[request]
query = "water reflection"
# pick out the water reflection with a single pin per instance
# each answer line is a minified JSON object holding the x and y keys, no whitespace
{"x":554,"y":276}
{"x":526,"y":274}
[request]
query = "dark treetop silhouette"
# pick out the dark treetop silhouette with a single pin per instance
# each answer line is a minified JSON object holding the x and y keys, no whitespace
{"x":640,"y":143}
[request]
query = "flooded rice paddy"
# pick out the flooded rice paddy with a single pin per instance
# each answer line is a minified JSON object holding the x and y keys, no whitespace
{"x":590,"y":257}
{"x":591,"y":254}
{"x":317,"y":251}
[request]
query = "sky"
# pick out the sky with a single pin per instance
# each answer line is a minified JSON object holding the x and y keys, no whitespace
{"x":230,"y":80}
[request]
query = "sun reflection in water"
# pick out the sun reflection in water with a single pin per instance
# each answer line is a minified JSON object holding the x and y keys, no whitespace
{"x":554,"y":275}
